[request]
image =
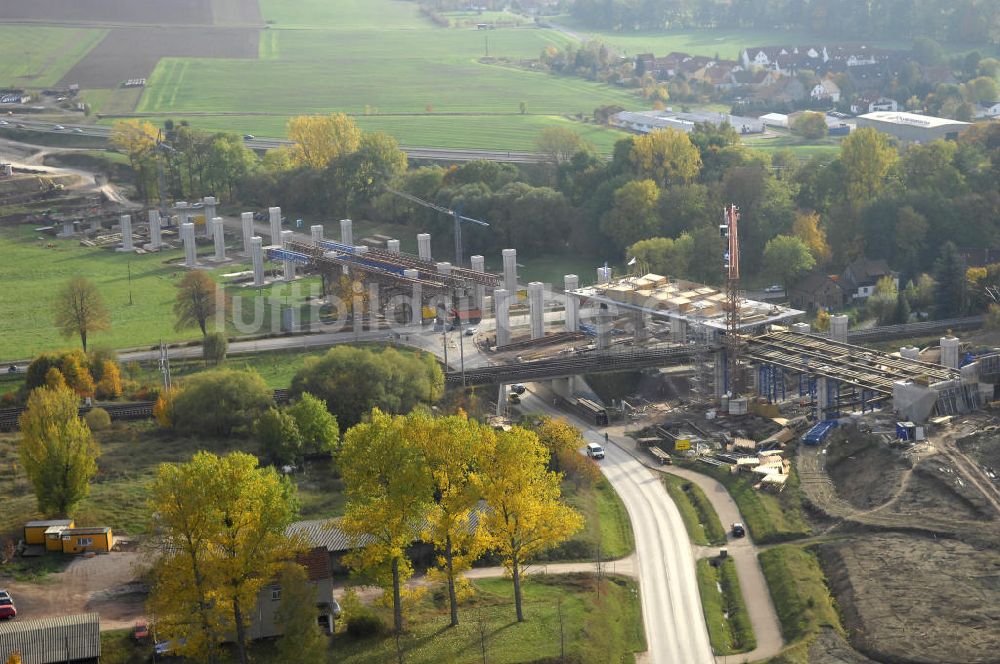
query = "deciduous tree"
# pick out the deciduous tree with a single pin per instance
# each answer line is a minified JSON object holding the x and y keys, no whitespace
{"x":389,"y":492}
{"x":352,"y":381}
{"x":786,"y":257}
{"x":559,"y":144}
{"x":806,"y":228}
{"x":57,"y":450}
{"x":218,"y":401}
{"x":225,"y":518}
{"x":279,"y":435}
{"x":79,"y":310}
{"x":319,"y":139}
{"x":867,"y":158}
{"x":633,"y":216}
{"x":318,"y":428}
{"x":301,"y":640}
{"x":198,"y":300}
{"x":663,"y":255}
{"x":451,"y":447}
{"x":810,"y":125}
{"x":526,"y":515}
{"x":667,"y":156}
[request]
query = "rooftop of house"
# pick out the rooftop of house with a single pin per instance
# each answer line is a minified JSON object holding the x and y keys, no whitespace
{"x":97,"y":530}
{"x":49,"y":523}
{"x":316,"y":561}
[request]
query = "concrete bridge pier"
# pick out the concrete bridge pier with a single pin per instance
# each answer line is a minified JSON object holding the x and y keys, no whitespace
{"x":501,"y":307}
{"x":570,"y":283}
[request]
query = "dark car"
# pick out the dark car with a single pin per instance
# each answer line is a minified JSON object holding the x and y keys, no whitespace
{"x":517,"y":388}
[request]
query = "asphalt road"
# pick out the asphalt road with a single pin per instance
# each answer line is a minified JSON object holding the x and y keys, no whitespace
{"x":436,"y":154}
{"x":671,"y":605}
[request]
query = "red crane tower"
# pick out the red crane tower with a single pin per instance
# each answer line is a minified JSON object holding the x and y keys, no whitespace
{"x":730,"y":230}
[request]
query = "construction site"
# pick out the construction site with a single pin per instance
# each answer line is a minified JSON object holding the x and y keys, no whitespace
{"x":891,"y":457}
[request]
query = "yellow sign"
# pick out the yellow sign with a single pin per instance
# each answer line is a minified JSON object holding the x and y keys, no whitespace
{"x":682,"y":445}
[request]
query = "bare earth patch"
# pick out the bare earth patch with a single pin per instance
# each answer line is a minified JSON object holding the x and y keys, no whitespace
{"x":917,"y":600}
{"x":134,"y":52}
{"x":108,"y":584}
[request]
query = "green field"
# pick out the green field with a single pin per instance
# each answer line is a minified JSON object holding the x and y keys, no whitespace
{"x":504,"y":132}
{"x":606,"y":629}
{"x":393,"y":69}
{"x":37,"y":57}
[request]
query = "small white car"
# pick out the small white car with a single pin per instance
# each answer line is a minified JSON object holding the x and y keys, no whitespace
{"x":58,"y":127}
{"x":775,"y":288}
{"x":595,"y":451}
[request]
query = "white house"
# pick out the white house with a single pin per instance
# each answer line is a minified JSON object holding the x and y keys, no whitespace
{"x":988,"y":109}
{"x":826,"y":89}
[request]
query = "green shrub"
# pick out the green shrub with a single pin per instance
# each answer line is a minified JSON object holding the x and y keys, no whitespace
{"x":365,"y":625}
{"x":214,"y":348}
{"x":220,"y":400}
{"x":98,"y":419}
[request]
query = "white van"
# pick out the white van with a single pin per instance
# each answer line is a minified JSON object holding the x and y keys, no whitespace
{"x":595,"y":451}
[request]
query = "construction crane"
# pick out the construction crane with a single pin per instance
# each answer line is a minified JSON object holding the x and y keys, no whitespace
{"x":730,"y":231}
{"x":443,"y":210}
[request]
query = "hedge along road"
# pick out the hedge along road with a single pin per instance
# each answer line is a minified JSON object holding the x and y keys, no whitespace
{"x":671,"y":605}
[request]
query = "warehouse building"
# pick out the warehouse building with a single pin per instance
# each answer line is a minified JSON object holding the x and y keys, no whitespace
{"x":912,"y":128}
{"x":67,"y":639}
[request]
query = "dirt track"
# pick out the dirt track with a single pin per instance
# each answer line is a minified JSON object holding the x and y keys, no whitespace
{"x":106,"y":584}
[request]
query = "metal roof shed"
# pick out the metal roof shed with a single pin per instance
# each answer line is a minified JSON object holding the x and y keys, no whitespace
{"x":74,"y":639}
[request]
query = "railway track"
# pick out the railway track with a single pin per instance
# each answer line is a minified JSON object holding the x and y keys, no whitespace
{"x":133,"y":410}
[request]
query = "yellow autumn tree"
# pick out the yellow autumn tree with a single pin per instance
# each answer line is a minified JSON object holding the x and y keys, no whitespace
{"x":110,"y":385}
{"x":450,"y":447}
{"x":525,"y":515}
{"x":389,"y":493}
{"x":666,"y":156}
{"x":806,"y":228}
{"x":225,"y":519}
{"x":138,"y":139}
{"x":319,"y":139}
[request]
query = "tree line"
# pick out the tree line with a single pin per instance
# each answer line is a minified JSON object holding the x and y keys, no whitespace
{"x":963,"y":21}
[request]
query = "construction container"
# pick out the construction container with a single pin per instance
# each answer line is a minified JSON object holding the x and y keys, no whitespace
{"x":81,"y":540}
{"x":34,"y":531}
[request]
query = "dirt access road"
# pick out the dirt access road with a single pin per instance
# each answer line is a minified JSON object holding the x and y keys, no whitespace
{"x":106,"y":584}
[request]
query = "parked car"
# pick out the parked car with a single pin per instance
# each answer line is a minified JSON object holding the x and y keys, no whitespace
{"x":471,"y":331}
{"x":774,"y":288}
{"x":739,"y":530}
{"x":7,"y":608}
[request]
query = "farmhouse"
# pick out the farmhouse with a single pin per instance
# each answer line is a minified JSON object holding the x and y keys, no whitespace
{"x":826,"y":90}
{"x":264,"y":622}
{"x":72,"y":639}
{"x":990,"y":109}
{"x":816,"y":291}
{"x":912,"y":128}
{"x":859,"y":278}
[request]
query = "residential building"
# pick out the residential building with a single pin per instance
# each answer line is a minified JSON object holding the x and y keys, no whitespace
{"x":264,"y":623}
{"x":816,"y":291}
{"x":63,"y":640}
{"x":826,"y":90}
{"x":860,"y":277}
{"x":871,"y":105}
{"x":990,"y":109}
{"x":912,"y":128}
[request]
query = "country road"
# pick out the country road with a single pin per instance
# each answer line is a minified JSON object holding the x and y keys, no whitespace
{"x":671,"y":605}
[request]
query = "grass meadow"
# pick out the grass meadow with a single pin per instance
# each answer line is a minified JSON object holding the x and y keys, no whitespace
{"x":38,"y":56}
